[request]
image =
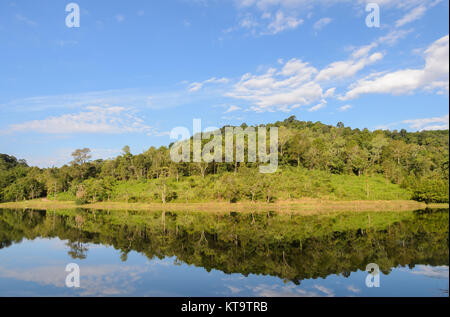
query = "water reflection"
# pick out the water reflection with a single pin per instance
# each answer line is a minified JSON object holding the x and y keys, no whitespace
{"x":265,"y":254}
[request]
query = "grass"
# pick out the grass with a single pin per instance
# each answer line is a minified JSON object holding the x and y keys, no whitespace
{"x":301,"y":206}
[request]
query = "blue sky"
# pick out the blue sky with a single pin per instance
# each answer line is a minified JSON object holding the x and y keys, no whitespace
{"x":134,"y":70}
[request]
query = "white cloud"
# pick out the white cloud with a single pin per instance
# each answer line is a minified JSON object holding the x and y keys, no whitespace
{"x":281,"y":23}
{"x":120,"y":18}
{"x":411,"y":16}
{"x":392,"y":37}
{"x":319,"y":106}
{"x":264,"y":290}
{"x":298,"y":83}
{"x":262,"y":17}
{"x":320,"y":24}
{"x":232,"y":108}
{"x":97,"y":280}
{"x":196,"y":86}
{"x":268,"y":24}
{"x":438,"y":272}
{"x":248,"y":22}
{"x":345,"y":108}
{"x":328,"y":292}
{"x":306,"y":5}
{"x":353,"y":289}
{"x":94,"y":119}
{"x":436,"y":123}
{"x":234,"y":290}
{"x":284,"y":89}
{"x":417,"y":12}
{"x":348,"y":68}
{"x":433,"y":77}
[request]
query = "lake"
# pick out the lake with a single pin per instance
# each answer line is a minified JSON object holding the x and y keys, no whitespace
{"x":128,"y":253}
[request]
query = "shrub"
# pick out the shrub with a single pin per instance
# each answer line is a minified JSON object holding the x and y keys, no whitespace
{"x":432,"y":191}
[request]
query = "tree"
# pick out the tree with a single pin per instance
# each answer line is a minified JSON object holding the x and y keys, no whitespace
{"x":230,"y":188}
{"x":284,"y":135}
{"x":252,"y":186}
{"x":299,"y":145}
{"x":202,"y":167}
{"x":402,"y":157}
{"x":432,"y":190}
{"x":81,"y":156}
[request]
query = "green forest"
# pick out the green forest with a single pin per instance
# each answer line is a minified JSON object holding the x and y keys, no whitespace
{"x":315,"y":160}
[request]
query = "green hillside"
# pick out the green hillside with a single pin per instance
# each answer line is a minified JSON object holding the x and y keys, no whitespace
{"x":315,"y":160}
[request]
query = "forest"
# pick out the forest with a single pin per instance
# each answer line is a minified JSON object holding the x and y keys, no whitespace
{"x":315,"y":160}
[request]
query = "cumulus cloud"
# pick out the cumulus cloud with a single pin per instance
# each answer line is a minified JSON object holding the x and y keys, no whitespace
{"x":348,"y":68}
{"x":283,"y":89}
{"x":432,"y":77}
{"x":298,"y":83}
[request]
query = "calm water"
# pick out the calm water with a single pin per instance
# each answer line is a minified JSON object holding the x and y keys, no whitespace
{"x":194,"y":254}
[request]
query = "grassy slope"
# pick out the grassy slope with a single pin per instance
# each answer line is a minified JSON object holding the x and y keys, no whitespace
{"x":287,"y":184}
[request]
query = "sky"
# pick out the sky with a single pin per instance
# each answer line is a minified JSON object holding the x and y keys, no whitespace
{"x":134,"y":70}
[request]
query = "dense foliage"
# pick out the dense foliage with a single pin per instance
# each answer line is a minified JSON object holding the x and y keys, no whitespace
{"x":316,"y":160}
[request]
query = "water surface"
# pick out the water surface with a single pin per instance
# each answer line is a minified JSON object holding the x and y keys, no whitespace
{"x":196,"y":254}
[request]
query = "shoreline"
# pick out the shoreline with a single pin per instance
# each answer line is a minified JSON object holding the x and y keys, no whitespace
{"x":302,"y":206}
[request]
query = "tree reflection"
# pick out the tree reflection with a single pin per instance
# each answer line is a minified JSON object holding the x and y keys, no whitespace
{"x":77,"y":250}
{"x":290,"y":247}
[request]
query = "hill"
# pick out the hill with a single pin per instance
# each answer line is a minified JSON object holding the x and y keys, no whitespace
{"x":315,"y":160}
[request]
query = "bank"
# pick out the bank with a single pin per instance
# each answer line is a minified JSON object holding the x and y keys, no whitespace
{"x":300,"y":206}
